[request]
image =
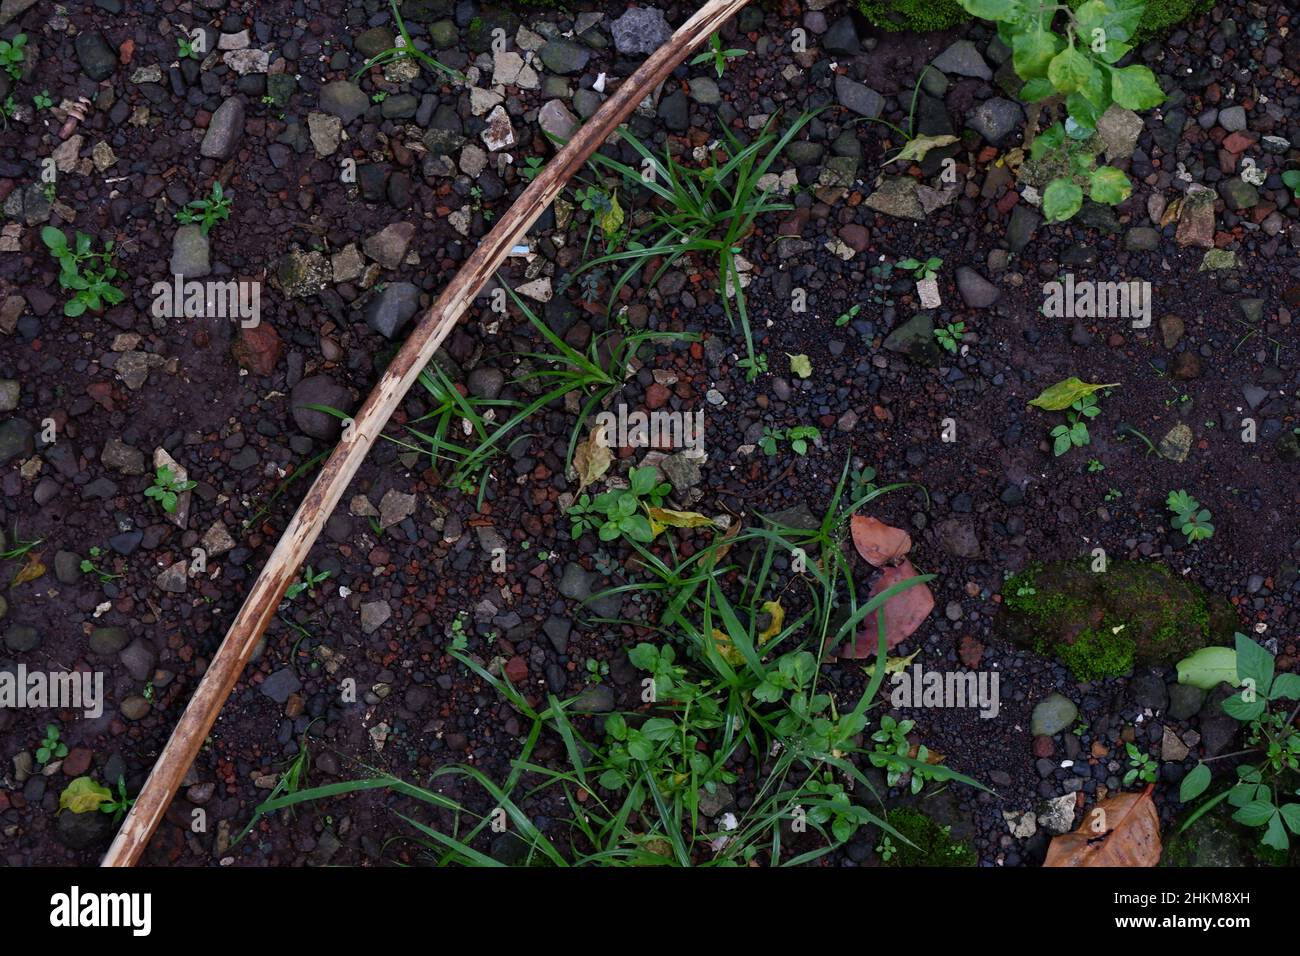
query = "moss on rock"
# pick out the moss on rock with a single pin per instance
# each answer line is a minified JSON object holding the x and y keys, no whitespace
{"x":1100,"y":624}
{"x":934,"y":844}
{"x":919,"y":16}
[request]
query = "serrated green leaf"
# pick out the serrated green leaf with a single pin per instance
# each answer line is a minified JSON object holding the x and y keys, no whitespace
{"x":1135,"y":88}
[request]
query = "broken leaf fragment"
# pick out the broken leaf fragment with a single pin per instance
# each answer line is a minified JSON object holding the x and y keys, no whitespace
{"x":30,"y":571}
{"x":916,"y":148}
{"x":902,"y":612}
{"x":1065,"y":393}
{"x":878,"y":543}
{"x":800,"y":365}
{"x":661,"y":518}
{"x":893,"y":665}
{"x":84,"y":795}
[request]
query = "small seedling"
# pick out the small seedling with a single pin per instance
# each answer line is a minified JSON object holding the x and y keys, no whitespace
{"x":848,"y":316}
{"x":797,"y":436}
{"x":1114,"y":494}
{"x":1189,"y":517}
{"x":1095,"y":465}
{"x":185,"y":48}
{"x":119,"y":804}
{"x":206,"y":212}
{"x":88,"y":566}
{"x":886,"y":848}
{"x":88,"y":274}
{"x":922,"y":270}
{"x":167,"y":488}
{"x":1292,"y":180}
{"x":1074,"y":434}
{"x":717,"y":54}
{"x":531,"y":167}
{"x":378,"y":96}
{"x":1142,"y":766}
{"x":894,"y":752}
{"x":42,"y":100}
{"x":949,"y":336}
{"x":459,"y":639}
{"x":596,"y":670}
{"x":308,"y":583}
{"x":51,"y":747}
{"x":12,"y":53}
{"x":753,"y":366}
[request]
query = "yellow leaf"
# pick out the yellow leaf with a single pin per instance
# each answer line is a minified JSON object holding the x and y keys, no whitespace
{"x":661,"y":518}
{"x":612,"y":220}
{"x":777,"y":612}
{"x":591,"y":458}
{"x":84,"y":795}
{"x":800,"y":365}
{"x":916,"y":147}
{"x":893,"y":665}
{"x":30,"y":571}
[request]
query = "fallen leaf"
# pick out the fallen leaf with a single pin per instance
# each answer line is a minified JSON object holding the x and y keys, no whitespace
{"x":1208,"y":667}
{"x":84,"y":795}
{"x":591,"y":458}
{"x":612,"y":220}
{"x":932,"y":758}
{"x":800,"y":365}
{"x":1123,"y":830}
{"x":903,"y":612}
{"x":30,"y":571}
{"x":777,"y":613}
{"x":916,"y":147}
{"x":661,"y":518}
{"x":879,"y":543}
{"x":1065,"y":393}
{"x":893,"y":665}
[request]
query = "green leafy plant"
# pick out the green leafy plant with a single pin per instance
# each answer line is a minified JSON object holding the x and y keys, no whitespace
{"x":920,"y":270}
{"x":407,"y":49}
{"x":167,"y":488}
{"x":19,"y":546}
{"x":1267,"y":783}
{"x":206,"y":212}
{"x":12,"y":53}
{"x":707,"y":211}
{"x":185,"y":48}
{"x":717,"y":55}
{"x":88,"y":566}
{"x":597,"y":670}
{"x":1095,"y":465}
{"x":1077,"y":68}
{"x":42,"y":100}
{"x":886,"y":848}
{"x":88,"y":274}
{"x":51,"y":747}
{"x":1074,"y":433}
{"x":949,"y":336}
{"x":798,"y":437}
{"x":620,"y":511}
{"x":1189,"y":517}
{"x":119,"y":804}
{"x":1142,"y":766}
{"x":904,"y":762}
{"x":308,"y":582}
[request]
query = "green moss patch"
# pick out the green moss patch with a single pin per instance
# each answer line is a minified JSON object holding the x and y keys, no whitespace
{"x":919,"y":16}
{"x":934,"y":845}
{"x":1101,"y":624}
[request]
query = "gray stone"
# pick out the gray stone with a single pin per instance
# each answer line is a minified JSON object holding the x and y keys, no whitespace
{"x":1052,"y":715}
{"x":122,"y":457}
{"x":705,"y":91}
{"x":858,"y":97}
{"x":15,"y":439}
{"x":139,"y":659}
{"x":962,"y":59}
{"x":374,"y":615}
{"x":374,"y":41}
{"x":173,"y":579}
{"x":556,"y":121}
{"x":564,"y":56}
{"x":190,"y":253}
{"x":225,"y":129}
{"x":1184,"y":701}
{"x":1238,"y":194}
{"x":1057,"y":814}
{"x":1148,"y":691}
{"x":98,"y":60}
{"x":107,"y":641}
{"x":303,"y":274}
{"x":897,"y":197}
{"x":388,"y":246}
{"x":485,"y":382}
{"x":915,"y":339}
{"x":319,"y":390}
{"x":640,"y":31}
{"x":343,"y":99}
{"x":1142,"y":239}
{"x":81,"y":831}
{"x":977,"y":291}
{"x":136,"y":708}
{"x":841,"y":39}
{"x":1119,"y":129}
{"x":675,"y":111}
{"x":957,"y":537}
{"x":10,"y":393}
{"x":1024,"y":223}
{"x":1233,"y":118}
{"x":281,"y":684}
{"x":994,"y":119}
{"x":20,"y":638}
{"x":597,"y":699}
{"x":390,"y":310}
{"x":575,"y":583}
{"x":1176,"y":445}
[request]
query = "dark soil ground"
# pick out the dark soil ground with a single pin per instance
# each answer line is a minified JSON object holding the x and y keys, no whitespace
{"x":221,"y":401}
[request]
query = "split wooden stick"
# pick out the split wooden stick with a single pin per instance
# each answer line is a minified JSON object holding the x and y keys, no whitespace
{"x":291,"y":550}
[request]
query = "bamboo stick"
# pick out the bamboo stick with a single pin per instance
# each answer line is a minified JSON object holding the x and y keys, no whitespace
{"x":326,"y":491}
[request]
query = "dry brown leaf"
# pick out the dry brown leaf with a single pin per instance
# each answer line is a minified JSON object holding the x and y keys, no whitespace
{"x":879,"y":543}
{"x":1123,"y":830}
{"x":30,"y":571}
{"x":591,"y":458}
{"x":904,"y":612}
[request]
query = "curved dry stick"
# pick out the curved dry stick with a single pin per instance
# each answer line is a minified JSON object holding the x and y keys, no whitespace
{"x":416,"y":352}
